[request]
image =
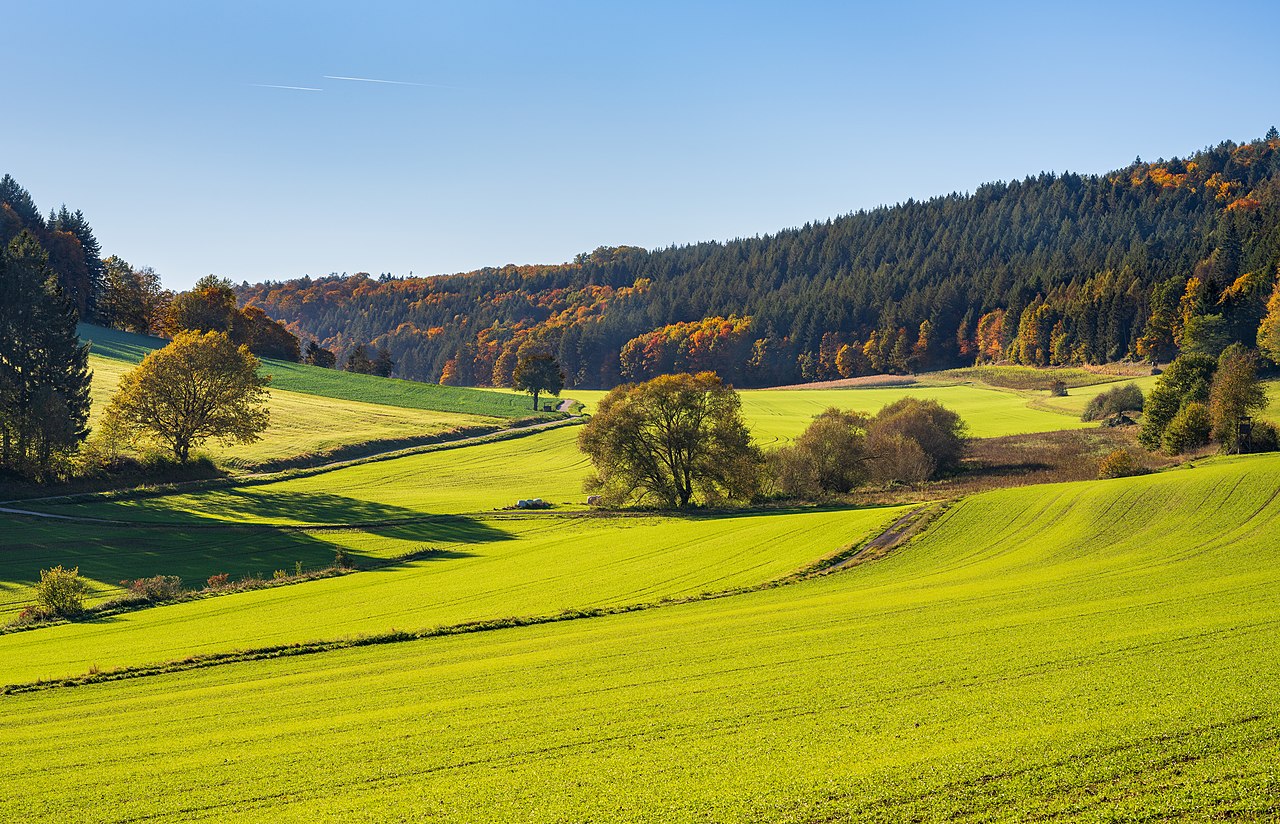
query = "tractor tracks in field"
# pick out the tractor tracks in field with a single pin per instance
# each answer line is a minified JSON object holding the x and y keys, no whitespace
{"x":878,"y":546}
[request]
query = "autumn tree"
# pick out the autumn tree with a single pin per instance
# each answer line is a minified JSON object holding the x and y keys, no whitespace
{"x":200,"y":386}
{"x":210,"y":306}
{"x":675,"y":440}
{"x":1236,"y":393}
{"x":536,"y":374}
{"x":1269,"y":329}
{"x":44,"y":374}
{"x":913,"y":439}
{"x":132,"y":299}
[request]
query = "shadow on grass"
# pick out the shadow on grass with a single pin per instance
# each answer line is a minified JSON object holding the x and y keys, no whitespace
{"x":197,"y":547}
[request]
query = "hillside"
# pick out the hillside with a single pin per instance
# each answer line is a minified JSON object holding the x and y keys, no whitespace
{"x":1091,"y":651}
{"x":1050,"y":269}
{"x":323,"y":414}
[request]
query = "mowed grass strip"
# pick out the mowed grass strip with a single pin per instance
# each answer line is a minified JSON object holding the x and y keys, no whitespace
{"x":1105,"y":651}
{"x":333,"y":383}
{"x":481,"y":569}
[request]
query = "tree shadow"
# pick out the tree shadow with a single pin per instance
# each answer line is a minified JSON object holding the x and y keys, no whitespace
{"x":200,"y":544}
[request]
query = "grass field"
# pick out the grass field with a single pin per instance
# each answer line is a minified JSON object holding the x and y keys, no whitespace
{"x":778,"y":415}
{"x":307,"y":424}
{"x":333,"y":383}
{"x":1099,"y":651}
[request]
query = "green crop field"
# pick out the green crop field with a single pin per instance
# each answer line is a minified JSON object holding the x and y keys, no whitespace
{"x":778,"y":415}
{"x":333,"y":383}
{"x":1099,"y":651}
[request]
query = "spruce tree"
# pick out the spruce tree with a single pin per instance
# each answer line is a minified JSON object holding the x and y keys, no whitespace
{"x":44,"y":375}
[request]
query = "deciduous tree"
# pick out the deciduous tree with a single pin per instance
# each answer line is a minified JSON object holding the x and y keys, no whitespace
{"x":536,"y":374}
{"x":675,"y":440}
{"x":200,"y":386}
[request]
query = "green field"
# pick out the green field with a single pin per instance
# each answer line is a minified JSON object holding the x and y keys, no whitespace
{"x":333,"y":383}
{"x":1098,"y":651}
{"x":308,"y":425}
{"x":778,"y":415}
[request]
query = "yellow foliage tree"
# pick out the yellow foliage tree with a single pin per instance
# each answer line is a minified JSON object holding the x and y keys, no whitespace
{"x":198,"y":387}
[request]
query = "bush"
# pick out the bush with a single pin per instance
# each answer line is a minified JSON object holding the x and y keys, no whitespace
{"x":1120,"y":464}
{"x":1188,"y":430}
{"x":1127,"y":398}
{"x":1058,"y":389}
{"x":899,"y":458}
{"x":157,"y":588}
{"x":61,"y":592}
{"x":218,"y":581}
{"x":1265,"y":438}
{"x":938,"y":432}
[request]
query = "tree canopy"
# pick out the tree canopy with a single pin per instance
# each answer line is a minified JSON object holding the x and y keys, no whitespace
{"x":200,"y":386}
{"x":675,"y":440}
{"x":536,"y":374}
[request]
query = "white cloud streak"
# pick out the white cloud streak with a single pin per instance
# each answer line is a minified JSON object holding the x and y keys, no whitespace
{"x":292,"y":88}
{"x":390,"y":82}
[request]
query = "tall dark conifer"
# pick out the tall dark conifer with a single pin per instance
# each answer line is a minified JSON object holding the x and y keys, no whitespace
{"x":44,"y":375}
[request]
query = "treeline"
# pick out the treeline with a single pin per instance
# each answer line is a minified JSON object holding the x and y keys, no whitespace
{"x":1051,"y":269}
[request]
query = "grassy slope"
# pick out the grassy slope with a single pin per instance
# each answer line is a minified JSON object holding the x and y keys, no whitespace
{"x":306,"y":424}
{"x":332,"y":383}
{"x":484,"y":568}
{"x":1097,"y":652}
{"x":452,"y":482}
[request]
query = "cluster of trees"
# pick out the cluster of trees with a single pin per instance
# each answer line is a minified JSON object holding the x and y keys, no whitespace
{"x":1200,"y":398}
{"x":1147,"y":261}
{"x":44,"y":374}
{"x":908,"y":441}
{"x":73,"y":253}
{"x":678,"y":440}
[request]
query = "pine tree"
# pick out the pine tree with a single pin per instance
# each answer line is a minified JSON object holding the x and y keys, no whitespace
{"x":44,"y":375}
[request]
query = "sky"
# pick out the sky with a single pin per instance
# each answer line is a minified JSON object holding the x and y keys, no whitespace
{"x":529,"y":132}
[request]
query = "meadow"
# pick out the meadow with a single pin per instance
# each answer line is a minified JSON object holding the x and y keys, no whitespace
{"x":1097,"y":651}
{"x":322,"y":414}
{"x":778,"y":415}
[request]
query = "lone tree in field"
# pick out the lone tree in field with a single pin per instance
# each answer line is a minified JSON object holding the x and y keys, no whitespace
{"x":674,"y":439}
{"x":198,"y":387}
{"x":536,"y":374}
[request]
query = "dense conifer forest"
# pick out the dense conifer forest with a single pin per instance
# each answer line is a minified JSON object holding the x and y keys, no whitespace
{"x":1052,"y":269}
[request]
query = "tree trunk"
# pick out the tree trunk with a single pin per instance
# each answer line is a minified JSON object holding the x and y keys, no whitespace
{"x":535,"y":400}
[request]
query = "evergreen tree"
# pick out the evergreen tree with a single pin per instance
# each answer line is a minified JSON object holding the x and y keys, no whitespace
{"x":44,"y":375}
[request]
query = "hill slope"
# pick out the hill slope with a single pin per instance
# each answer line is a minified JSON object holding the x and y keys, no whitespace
{"x":1065,"y":268}
{"x":1096,"y":651}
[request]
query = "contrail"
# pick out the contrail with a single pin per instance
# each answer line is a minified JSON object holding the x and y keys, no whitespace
{"x":391,"y":82}
{"x":294,"y":88}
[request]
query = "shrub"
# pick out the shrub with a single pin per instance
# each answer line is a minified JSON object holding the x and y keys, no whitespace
{"x":830,"y":456}
{"x":1264,"y":437}
{"x":1187,"y":380}
{"x":156,"y":588}
{"x":219,"y":581}
{"x":342,"y":560}
{"x":61,"y":592}
{"x":899,"y":458}
{"x":1188,"y":430}
{"x":938,"y":432}
{"x":1120,"y":464}
{"x":1058,"y":389}
{"x":1127,"y":398}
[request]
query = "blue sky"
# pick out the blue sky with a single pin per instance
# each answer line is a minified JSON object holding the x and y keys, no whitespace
{"x":542,"y":130}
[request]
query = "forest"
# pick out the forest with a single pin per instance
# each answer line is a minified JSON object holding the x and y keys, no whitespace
{"x":1055,"y":268}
